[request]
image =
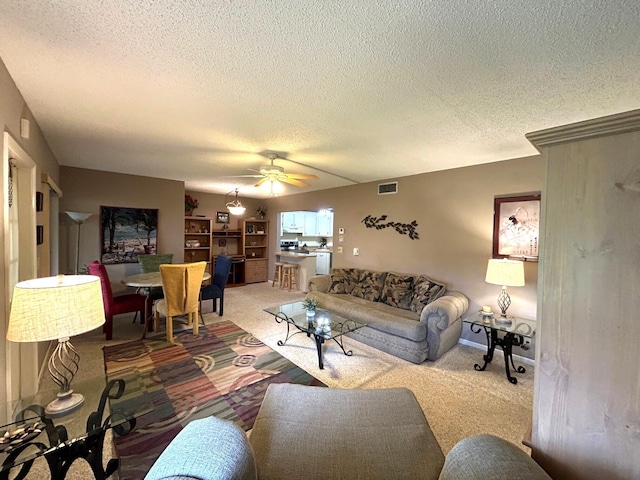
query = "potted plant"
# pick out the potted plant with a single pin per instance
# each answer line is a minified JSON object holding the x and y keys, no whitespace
{"x":310,"y":304}
{"x":190,"y":204}
{"x":262,"y":212}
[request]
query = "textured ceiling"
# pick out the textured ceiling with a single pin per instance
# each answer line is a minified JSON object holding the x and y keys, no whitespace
{"x":368,"y":90}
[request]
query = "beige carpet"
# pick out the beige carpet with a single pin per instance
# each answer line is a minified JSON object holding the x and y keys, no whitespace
{"x":457,"y":400}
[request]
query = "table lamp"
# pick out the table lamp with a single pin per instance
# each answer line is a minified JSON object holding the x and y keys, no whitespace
{"x":508,"y":273}
{"x":56,"y":308}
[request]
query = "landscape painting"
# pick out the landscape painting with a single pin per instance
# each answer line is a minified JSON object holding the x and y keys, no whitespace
{"x":127,"y":233}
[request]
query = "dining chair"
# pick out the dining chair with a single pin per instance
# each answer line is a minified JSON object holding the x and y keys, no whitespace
{"x":181,"y":286}
{"x":151,"y":263}
{"x":130,"y":302}
{"x":215,"y":290}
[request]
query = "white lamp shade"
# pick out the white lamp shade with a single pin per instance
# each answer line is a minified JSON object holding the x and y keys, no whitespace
{"x":51,"y":308}
{"x":505,"y":272}
{"x":78,"y":217}
{"x":237,"y":210}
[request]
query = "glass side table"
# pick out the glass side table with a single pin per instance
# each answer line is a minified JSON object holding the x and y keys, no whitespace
{"x":113,"y":402}
{"x":518,"y":334}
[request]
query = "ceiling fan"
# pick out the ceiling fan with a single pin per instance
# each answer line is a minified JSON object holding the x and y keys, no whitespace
{"x":272,"y":173}
{"x":272,"y":176}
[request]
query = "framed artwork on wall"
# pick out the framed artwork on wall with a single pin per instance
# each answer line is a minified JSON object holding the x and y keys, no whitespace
{"x":222,"y":217}
{"x":126,"y":233}
{"x":516,"y":227}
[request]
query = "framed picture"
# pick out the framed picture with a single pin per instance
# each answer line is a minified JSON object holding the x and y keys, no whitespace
{"x":516,"y":227}
{"x":222,"y":217}
{"x":222,"y":242}
{"x":126,"y":233}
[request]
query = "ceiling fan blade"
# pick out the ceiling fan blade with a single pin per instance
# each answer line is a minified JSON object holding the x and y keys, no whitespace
{"x":261,"y":181}
{"x":243,"y":176}
{"x":302,"y":176}
{"x":297,"y":183}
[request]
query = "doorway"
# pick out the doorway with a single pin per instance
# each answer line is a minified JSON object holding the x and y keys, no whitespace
{"x":19,"y":262}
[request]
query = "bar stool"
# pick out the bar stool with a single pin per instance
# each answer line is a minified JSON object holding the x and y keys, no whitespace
{"x":277,"y":274}
{"x":289,"y":276}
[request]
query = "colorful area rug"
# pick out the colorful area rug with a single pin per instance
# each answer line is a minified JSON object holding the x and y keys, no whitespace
{"x":223,"y":371}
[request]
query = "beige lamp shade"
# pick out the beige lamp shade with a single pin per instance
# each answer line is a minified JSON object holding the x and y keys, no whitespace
{"x":505,"y":272}
{"x":51,"y":308}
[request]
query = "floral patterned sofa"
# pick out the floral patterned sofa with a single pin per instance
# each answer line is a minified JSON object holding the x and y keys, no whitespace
{"x":407,"y":315}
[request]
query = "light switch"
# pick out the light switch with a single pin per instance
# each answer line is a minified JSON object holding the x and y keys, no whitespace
{"x":356,"y":251}
{"x":339,"y":249}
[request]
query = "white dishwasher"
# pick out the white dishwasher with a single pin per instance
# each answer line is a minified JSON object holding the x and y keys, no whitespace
{"x":323,"y":262}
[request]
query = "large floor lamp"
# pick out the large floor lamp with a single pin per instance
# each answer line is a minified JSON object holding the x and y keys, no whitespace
{"x":56,"y":308}
{"x":79,"y":218}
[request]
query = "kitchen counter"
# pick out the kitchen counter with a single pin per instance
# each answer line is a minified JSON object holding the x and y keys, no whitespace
{"x":306,"y":265}
{"x":286,"y":253}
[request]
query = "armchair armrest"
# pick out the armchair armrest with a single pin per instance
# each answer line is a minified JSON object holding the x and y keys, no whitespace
{"x":319,"y":283}
{"x":486,"y":456}
{"x":445,"y":310}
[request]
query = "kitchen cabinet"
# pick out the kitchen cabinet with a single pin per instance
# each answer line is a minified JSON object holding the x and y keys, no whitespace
{"x":325,"y":225}
{"x":292,"y":222}
{"x":310,"y":228}
{"x":323,"y":262}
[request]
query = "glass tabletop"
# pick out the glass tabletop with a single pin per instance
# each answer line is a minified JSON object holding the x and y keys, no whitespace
{"x":27,"y":432}
{"x":325,"y":323}
{"x":519,"y":326}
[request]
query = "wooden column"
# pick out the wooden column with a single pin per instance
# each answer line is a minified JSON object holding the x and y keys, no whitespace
{"x":586,"y":415}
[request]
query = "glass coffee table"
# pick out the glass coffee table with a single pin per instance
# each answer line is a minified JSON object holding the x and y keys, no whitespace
{"x":324,"y":325}
{"x":113,"y":402}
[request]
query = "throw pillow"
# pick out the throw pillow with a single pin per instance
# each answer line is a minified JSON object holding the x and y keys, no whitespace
{"x":370,"y":285}
{"x":397,"y":290}
{"x":343,"y":280}
{"x":425,"y":291}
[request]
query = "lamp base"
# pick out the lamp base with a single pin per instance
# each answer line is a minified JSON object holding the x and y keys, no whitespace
{"x":65,"y":403}
{"x":504,"y":320}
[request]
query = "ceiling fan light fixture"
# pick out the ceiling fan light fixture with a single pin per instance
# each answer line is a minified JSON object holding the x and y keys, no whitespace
{"x":272,"y":186}
{"x":234,"y":206}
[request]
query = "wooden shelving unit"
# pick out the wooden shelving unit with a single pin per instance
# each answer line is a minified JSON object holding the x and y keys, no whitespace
{"x":229,"y":242}
{"x":197,"y":240}
{"x":255,"y":246}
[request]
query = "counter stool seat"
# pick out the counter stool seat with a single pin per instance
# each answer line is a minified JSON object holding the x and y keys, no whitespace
{"x":289,"y":276}
{"x":277,"y":274}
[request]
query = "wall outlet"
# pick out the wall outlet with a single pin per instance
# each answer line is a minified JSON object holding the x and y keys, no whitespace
{"x":356,"y":251}
{"x":339,"y":249}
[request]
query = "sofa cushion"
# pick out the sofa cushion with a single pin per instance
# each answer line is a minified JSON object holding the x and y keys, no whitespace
{"x":397,"y":290}
{"x":369,"y":285}
{"x":425,"y":291}
{"x":344,"y":279}
{"x":378,"y":315}
{"x":306,"y":433}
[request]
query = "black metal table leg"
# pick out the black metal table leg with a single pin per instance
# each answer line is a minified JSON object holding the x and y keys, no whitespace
{"x":491,"y":346}
{"x":507,"y":351}
{"x":319,"y":342}
{"x":506,"y":343}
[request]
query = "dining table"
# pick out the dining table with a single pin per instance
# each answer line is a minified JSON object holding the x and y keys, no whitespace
{"x":145,"y":282}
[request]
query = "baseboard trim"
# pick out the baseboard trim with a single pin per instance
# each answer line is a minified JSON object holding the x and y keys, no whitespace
{"x":480,"y":346}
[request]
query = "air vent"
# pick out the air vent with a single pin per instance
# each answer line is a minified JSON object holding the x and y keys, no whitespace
{"x":388,"y":188}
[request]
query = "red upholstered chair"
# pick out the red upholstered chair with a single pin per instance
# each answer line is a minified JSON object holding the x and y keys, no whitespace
{"x":131,"y":302}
